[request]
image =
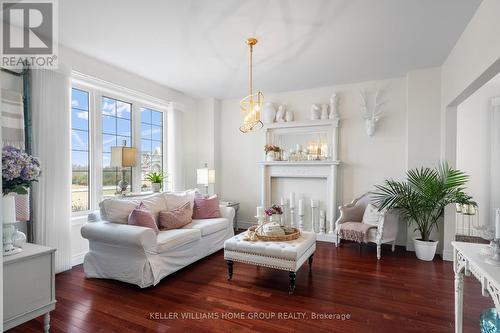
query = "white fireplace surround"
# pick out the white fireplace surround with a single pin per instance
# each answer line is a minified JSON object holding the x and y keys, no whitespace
{"x":324,"y":169}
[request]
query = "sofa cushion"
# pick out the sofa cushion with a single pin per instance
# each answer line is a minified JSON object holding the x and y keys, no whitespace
{"x":176,"y":199}
{"x":118,"y":209}
{"x":171,"y":239}
{"x":142,"y":217}
{"x":372,"y":215}
{"x":175,"y":219}
{"x":208,"y":226}
{"x":206,"y":208}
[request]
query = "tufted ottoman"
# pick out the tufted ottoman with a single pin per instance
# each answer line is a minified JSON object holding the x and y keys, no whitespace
{"x":287,"y":256}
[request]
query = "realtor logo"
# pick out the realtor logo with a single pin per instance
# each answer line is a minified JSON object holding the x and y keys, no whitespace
{"x":29,"y":34}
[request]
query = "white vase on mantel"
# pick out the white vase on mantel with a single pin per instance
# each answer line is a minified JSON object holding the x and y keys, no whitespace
{"x":268,"y":113}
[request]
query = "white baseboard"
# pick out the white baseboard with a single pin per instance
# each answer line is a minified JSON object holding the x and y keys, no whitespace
{"x":77,"y":259}
{"x":245,"y":224}
{"x":448,"y":255}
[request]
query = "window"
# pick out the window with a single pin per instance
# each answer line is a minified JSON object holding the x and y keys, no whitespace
{"x":151,"y":144}
{"x":104,"y":115}
{"x":116,"y":131}
{"x":80,"y":194}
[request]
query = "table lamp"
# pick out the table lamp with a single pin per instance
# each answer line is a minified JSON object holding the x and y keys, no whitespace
{"x":123,"y":157}
{"x":205,"y":177}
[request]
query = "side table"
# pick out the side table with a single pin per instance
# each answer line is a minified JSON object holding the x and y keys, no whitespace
{"x":28,"y":286}
{"x":236,"y":207}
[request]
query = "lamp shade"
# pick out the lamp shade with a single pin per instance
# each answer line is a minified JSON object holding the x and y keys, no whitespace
{"x":123,"y":157}
{"x":205,"y":176}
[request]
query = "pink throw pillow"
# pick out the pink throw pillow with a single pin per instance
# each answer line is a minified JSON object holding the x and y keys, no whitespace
{"x":142,"y":217}
{"x":176,"y":218}
{"x":206,"y":208}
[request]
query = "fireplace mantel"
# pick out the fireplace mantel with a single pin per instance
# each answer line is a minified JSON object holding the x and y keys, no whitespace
{"x":322,"y":169}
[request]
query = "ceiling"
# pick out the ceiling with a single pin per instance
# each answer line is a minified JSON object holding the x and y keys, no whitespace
{"x":198,"y":46}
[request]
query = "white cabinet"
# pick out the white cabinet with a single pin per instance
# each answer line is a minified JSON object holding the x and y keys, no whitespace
{"x":28,"y":286}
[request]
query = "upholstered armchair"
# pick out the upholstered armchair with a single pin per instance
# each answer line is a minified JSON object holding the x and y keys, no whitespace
{"x":383,"y":229}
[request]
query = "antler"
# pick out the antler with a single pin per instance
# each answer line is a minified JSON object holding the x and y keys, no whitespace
{"x":377,"y":104}
{"x":364,"y":105}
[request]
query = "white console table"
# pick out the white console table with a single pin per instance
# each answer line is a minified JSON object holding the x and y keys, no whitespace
{"x":467,"y":258}
{"x":28,"y":286}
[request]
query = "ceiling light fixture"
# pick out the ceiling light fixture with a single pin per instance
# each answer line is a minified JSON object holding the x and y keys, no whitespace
{"x":252,"y":104}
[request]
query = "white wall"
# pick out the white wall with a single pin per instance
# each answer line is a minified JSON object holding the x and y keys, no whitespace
{"x":474,"y":60}
{"x":423,"y":126}
{"x":365,"y":161}
{"x":474,"y":123}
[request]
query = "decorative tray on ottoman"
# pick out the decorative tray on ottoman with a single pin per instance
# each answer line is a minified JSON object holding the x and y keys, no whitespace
{"x":256,"y":233}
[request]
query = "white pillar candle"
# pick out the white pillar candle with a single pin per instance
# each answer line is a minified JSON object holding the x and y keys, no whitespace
{"x":497,"y":223}
{"x":292,"y":199}
{"x":301,"y":207}
{"x":260,"y":211}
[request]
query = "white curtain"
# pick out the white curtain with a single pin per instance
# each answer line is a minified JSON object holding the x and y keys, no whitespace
{"x":175,"y":155}
{"x":494,"y":163}
{"x":50,"y":105}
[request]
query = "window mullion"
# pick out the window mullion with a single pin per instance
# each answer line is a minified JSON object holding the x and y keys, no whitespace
{"x":136,"y":142}
{"x":97,"y":149}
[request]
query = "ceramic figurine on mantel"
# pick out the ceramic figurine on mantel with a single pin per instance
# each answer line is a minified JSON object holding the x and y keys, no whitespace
{"x":315,"y":112}
{"x":334,"y":106}
{"x":324,"y":111}
{"x":280,"y":115}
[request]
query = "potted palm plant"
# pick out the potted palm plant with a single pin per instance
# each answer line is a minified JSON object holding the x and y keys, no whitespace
{"x":421,"y":199}
{"x":156,"y":179}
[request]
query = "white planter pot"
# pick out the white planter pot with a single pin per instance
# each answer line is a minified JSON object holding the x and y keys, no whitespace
{"x":156,"y":187}
{"x":425,"y":250}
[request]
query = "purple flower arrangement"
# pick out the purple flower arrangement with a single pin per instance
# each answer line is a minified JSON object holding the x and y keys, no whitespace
{"x":274,"y":209}
{"x":19,"y":170}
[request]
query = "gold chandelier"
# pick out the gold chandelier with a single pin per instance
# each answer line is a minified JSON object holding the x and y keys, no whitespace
{"x":252,"y":104}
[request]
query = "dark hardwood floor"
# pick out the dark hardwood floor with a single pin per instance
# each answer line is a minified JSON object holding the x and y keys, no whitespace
{"x":397,"y":294}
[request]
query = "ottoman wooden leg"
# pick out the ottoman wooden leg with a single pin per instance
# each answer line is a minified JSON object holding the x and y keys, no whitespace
{"x":229,"y":269}
{"x":311,"y":262}
{"x":292,"y":276}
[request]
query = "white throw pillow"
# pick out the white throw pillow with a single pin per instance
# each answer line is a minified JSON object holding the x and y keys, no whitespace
{"x":372,"y":215}
{"x":177,"y":199}
{"x":155,"y":203}
{"x":117,"y":210}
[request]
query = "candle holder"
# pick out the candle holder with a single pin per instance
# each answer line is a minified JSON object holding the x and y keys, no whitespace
{"x":260,"y":219}
{"x":494,"y":259}
{"x":301,"y":221}
{"x":284,"y":207}
{"x":322,"y":222}
{"x":292,"y":216}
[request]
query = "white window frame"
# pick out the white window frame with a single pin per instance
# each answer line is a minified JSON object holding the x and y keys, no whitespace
{"x":97,"y":89}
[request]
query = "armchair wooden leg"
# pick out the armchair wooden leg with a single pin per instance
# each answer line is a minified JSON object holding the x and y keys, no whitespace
{"x":393,"y":245}
{"x":379,"y":250}
{"x":338,"y":240}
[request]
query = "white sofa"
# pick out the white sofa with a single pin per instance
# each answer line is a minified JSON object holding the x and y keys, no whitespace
{"x":139,"y":256}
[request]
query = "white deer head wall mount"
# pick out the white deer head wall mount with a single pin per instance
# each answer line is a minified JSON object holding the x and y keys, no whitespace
{"x":371,"y":112}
